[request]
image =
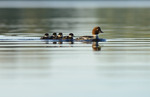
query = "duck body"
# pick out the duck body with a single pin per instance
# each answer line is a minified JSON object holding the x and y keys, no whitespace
{"x":94,"y":37}
{"x":59,"y":36}
{"x":67,"y":37}
{"x":70,"y":37}
{"x":85,"y":37}
{"x":54,"y":36}
{"x":46,"y":36}
{"x":89,"y":39}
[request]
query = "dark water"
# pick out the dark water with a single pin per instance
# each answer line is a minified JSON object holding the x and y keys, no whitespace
{"x":32,"y":68}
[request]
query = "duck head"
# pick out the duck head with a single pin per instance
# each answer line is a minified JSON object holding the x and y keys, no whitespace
{"x":46,"y":34}
{"x":54,"y":34}
{"x":60,"y":35}
{"x":96,"y":30}
{"x":71,"y":35}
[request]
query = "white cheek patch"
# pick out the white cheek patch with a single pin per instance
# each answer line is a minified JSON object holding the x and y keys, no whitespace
{"x":70,"y":36}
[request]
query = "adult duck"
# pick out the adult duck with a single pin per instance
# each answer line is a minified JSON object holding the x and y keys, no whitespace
{"x":95,"y":32}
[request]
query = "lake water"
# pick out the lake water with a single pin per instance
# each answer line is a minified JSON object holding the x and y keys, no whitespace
{"x":121,"y":68}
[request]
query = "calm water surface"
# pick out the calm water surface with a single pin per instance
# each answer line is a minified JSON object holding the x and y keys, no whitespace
{"x":32,"y":68}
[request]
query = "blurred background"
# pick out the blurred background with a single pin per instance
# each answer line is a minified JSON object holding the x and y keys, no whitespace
{"x":121,"y":67}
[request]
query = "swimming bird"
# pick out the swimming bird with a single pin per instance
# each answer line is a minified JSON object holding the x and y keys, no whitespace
{"x":46,"y":36}
{"x":54,"y":36}
{"x":71,"y":35}
{"x":60,"y":36}
{"x":69,"y":38}
{"x":95,"y":32}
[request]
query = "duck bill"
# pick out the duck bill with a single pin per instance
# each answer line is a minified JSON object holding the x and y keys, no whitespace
{"x":101,"y":32}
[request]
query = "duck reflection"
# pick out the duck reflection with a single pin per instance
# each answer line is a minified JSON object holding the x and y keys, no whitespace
{"x":96,"y":46}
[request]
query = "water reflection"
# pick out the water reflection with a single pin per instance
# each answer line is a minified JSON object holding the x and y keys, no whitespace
{"x":117,"y":67}
{"x":124,"y":22}
{"x":96,"y":46}
{"x":58,"y":41}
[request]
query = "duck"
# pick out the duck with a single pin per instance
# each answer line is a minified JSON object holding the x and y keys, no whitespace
{"x":54,"y":36}
{"x":60,"y":35}
{"x":71,"y":35}
{"x":46,"y":36}
{"x":96,"y":30}
{"x":69,"y":38}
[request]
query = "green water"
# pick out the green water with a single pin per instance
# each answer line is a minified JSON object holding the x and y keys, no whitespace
{"x":32,"y":68}
{"x":116,"y":22}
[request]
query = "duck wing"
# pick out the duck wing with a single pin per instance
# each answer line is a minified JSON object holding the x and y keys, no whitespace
{"x":85,"y":37}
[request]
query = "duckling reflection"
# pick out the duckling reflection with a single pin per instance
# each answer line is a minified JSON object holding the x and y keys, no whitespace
{"x":96,"y":46}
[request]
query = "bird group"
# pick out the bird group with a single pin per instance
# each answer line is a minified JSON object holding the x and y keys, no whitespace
{"x":59,"y":36}
{"x":95,"y":35}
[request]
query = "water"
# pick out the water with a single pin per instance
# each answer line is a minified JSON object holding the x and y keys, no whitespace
{"x":121,"y":68}
{"x":75,"y":4}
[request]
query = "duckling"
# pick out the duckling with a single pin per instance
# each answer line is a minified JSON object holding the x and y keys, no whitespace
{"x":60,"y":36}
{"x":95,"y":32}
{"x":54,"y":36}
{"x":69,"y":38}
{"x":71,"y":35}
{"x":46,"y":36}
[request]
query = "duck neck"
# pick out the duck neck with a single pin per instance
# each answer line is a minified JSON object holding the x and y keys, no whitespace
{"x":95,"y":36}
